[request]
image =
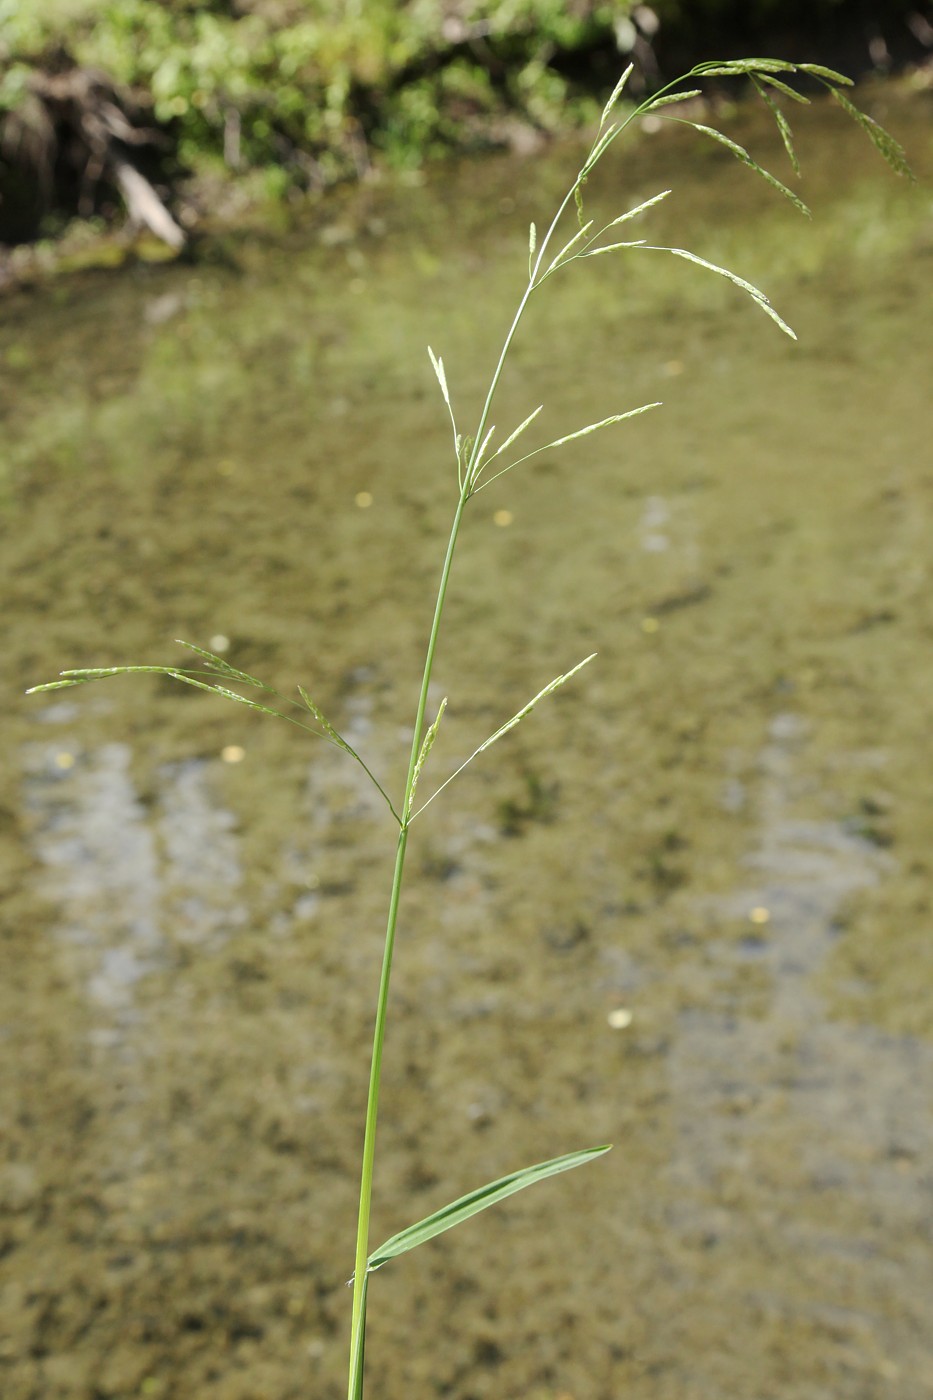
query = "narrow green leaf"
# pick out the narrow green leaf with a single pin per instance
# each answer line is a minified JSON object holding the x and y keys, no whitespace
{"x":449,"y":1216}
{"x":592,"y":428}
{"x":323,"y":721}
{"x":466,"y":448}
{"x":598,"y":148}
{"x":786,"y":88}
{"x":243,"y":700}
{"x":176,"y":674}
{"x":504,"y":729}
{"x":595,"y":427}
{"x":779,"y":185}
{"x":754,"y":292}
{"x":892,"y":151}
{"x":582,"y":432}
{"x":186,"y":679}
{"x":735,"y":67}
{"x":639,"y":209}
{"x":671,"y":98}
{"x":426,"y":748}
{"x":783,"y":125}
{"x":82,"y":675}
{"x":769,"y":65}
{"x":581,"y":232}
{"x":217,"y":663}
{"x":616,"y":93}
{"x":829,"y":74}
{"x":518,"y":431}
{"x":729,"y":70}
{"x":482,"y":451}
{"x":578,"y":200}
{"x":612,"y":248}
{"x":741,"y":154}
{"x":56,"y":685}
{"x":552,"y":685}
{"x":438,"y":364}
{"x":91,"y":673}
{"x":337,"y":738}
{"x":723,"y":140}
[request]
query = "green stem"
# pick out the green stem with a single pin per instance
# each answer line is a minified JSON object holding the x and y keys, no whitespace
{"x":533,"y":283}
{"x":358,"y":1316}
{"x":369,"y":1140}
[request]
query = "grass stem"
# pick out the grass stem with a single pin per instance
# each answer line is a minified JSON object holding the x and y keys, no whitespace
{"x":360,"y":1280}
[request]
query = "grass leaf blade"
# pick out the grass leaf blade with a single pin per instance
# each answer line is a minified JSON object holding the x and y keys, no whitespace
{"x":426,"y":748}
{"x":741,"y":154}
{"x":829,"y":74}
{"x":581,"y":432}
{"x":581,"y":232}
{"x":612,"y":248}
{"x":783,"y":125}
{"x":671,"y":98}
{"x":786,"y":88}
{"x":884,"y":143}
{"x":736,"y":67}
{"x":541,"y":695}
{"x":504,"y":729}
{"x":477,"y":465}
{"x":518,"y":431}
{"x":603,"y":423}
{"x":578,"y":200}
{"x":57,"y":685}
{"x":474,"y":1202}
{"x":754,"y":292}
{"x":438,"y":363}
{"x":598,"y":150}
{"x":616,"y":93}
{"x":217,"y":663}
{"x":93,"y":673}
{"x":245,"y":700}
{"x":332,"y":734}
{"x":639,"y":209}
{"x":336,"y":738}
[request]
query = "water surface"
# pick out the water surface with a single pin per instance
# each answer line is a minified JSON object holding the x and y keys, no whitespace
{"x":685,"y":907}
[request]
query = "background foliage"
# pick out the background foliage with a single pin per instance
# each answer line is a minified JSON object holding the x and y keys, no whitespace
{"x":311,"y":91}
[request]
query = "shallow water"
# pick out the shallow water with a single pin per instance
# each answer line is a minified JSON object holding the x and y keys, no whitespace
{"x":685,"y":907}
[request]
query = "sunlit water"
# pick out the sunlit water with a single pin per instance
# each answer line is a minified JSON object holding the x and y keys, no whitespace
{"x":684,"y":907}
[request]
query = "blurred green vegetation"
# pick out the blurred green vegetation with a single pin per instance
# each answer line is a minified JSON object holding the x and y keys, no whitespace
{"x":302,"y":93}
{"x":308,"y":87}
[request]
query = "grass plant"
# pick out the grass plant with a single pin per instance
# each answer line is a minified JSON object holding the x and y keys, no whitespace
{"x":567,"y":240}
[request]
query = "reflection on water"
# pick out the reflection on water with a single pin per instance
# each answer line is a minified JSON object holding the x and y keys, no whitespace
{"x":755,"y":1078}
{"x":132,"y":884}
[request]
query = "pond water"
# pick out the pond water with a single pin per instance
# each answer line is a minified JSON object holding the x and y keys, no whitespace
{"x":684,"y":907}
